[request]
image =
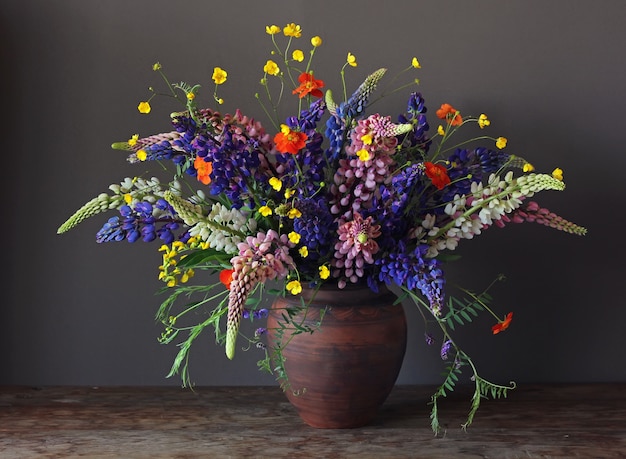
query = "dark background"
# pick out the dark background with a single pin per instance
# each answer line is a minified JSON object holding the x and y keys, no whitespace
{"x":550,"y":75}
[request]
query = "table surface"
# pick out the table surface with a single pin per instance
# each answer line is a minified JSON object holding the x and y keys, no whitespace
{"x":535,"y":421}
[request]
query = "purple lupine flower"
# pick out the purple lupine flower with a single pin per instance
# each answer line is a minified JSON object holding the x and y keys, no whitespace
{"x":445,"y":349}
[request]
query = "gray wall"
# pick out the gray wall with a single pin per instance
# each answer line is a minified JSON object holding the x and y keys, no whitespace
{"x":550,"y":74}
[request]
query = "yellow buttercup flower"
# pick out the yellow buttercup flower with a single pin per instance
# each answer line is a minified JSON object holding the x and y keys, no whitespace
{"x":141,"y":155}
{"x":265,"y":211}
{"x":364,"y":155}
{"x":483,"y":121}
{"x":271,"y":68}
{"x":294,"y":237}
{"x":316,"y":41}
{"x":415,"y":63}
{"x":276,"y":183}
{"x":294,"y":287}
{"x":289,"y":193}
{"x":219,"y":75}
{"x":351,"y":60}
{"x":558,"y":174}
{"x":144,"y":107}
{"x":528,"y":167}
{"x":191,"y":96}
{"x":294,"y":213}
{"x":368,"y":138}
{"x":292,"y":30}
{"x":298,"y":55}
{"x":440,"y":130}
{"x":304,"y":251}
{"x":272,"y":30}
{"x":324,"y":272}
{"x":133,"y":140}
{"x":501,"y":142}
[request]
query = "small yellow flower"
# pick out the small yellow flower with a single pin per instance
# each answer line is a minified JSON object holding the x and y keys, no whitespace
{"x":276,"y":183}
{"x":316,"y":41}
{"x":304,"y":251}
{"x":141,"y":155}
{"x":289,"y":193}
{"x":128,"y":198}
{"x":440,"y":130}
{"x":272,"y":30}
{"x":351,"y":59}
{"x":324,"y":272}
{"x":501,"y":142}
{"x":294,"y":237}
{"x":292,"y":30}
{"x":156,"y":66}
{"x":144,"y":107}
{"x":558,"y":174}
{"x":363,"y":155}
{"x":415,"y":63}
{"x":133,"y":140}
{"x":297,"y":55}
{"x":219,"y":75}
{"x":368,"y":138}
{"x":265,"y":211}
{"x":294,"y":287}
{"x":220,"y":101}
{"x":271,"y":68}
{"x":528,"y":167}
{"x":294,"y":213}
{"x":483,"y":121}
{"x":191,"y":96}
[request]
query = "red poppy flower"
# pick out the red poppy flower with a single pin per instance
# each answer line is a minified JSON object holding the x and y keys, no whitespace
{"x":288,"y":141}
{"x":308,"y":85}
{"x":226,"y":277}
{"x":438,"y":174}
{"x":449,"y":113}
{"x":501,"y":326}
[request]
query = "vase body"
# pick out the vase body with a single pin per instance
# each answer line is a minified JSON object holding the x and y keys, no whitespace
{"x":342,"y":373}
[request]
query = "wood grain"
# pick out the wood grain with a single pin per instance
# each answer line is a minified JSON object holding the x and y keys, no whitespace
{"x":536,"y":421}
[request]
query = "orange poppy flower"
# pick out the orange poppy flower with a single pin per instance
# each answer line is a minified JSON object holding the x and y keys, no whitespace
{"x":308,"y":85}
{"x":438,"y":174}
{"x":226,"y":277}
{"x":449,"y":113}
{"x":288,"y":141}
{"x":204,"y":169}
{"x":501,"y":326}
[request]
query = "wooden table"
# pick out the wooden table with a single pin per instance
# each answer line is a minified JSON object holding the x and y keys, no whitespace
{"x":573,"y":421}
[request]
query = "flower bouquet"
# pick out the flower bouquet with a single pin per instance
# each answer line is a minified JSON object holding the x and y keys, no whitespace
{"x":333,"y":193}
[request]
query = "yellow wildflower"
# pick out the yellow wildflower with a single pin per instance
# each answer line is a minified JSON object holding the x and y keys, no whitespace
{"x":558,"y":174}
{"x":351,"y":59}
{"x":297,"y":55}
{"x":294,"y":287}
{"x":141,"y":155}
{"x":144,"y":107}
{"x":415,"y":63}
{"x":191,"y":96}
{"x":271,"y":68}
{"x":440,"y":130}
{"x":304,"y":251}
{"x":219,"y":75}
{"x":128,"y":198}
{"x":156,"y":66}
{"x":483,"y":121}
{"x":528,"y":167}
{"x":316,"y":41}
{"x":324,"y":272}
{"x":294,"y":213}
{"x":368,"y":138}
{"x":276,"y":183}
{"x":272,"y":30}
{"x":294,"y":237}
{"x":363,"y":155}
{"x":501,"y":142}
{"x":289,"y":193}
{"x":133,"y":140}
{"x":292,"y":30}
{"x":265,"y":211}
